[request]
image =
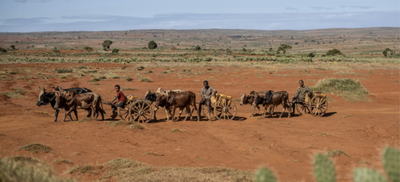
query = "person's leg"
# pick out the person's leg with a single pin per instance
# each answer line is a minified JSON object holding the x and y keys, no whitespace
{"x":202,"y":101}
{"x":208,"y":103}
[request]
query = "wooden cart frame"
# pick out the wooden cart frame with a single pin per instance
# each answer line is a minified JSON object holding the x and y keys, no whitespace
{"x":315,"y":103}
{"x":137,"y":110}
{"x":222,"y":107}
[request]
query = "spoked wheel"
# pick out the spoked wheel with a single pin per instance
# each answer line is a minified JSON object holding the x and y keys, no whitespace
{"x":319,"y":106}
{"x":302,"y":109}
{"x":123,"y":113}
{"x":140,"y":111}
{"x":225,"y":109}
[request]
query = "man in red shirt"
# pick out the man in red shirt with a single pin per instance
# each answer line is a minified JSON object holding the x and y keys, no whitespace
{"x":119,"y":103}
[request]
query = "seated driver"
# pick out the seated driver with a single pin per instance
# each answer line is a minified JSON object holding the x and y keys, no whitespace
{"x":119,"y":103}
{"x":301,"y":92}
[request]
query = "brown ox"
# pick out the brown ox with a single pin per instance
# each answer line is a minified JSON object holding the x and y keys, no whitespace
{"x":249,"y":99}
{"x":152,"y":96}
{"x":161,"y":101}
{"x":180,"y":100}
{"x":81,"y":101}
{"x":278,"y":98}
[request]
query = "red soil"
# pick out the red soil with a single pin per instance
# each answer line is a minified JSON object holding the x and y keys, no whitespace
{"x":285,"y":145}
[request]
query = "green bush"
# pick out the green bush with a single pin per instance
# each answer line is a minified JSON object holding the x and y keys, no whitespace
{"x":334,"y":52}
{"x":115,"y":51}
{"x":152,"y":45}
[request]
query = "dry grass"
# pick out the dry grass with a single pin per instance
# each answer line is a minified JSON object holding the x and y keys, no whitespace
{"x":22,"y":158}
{"x":40,"y":113}
{"x":336,"y":153}
{"x":152,"y":153}
{"x":13,"y":171}
{"x":60,"y":161}
{"x":17,"y":93}
{"x":176,"y":130}
{"x":135,"y":126}
{"x":35,"y":148}
{"x":81,"y":169}
{"x":131,"y":170}
{"x":351,"y":90}
{"x":85,"y":120}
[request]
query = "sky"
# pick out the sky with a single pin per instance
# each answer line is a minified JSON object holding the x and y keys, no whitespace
{"x":99,"y":15}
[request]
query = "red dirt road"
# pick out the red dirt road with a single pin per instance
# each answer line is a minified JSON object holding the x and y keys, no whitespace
{"x":285,"y":145}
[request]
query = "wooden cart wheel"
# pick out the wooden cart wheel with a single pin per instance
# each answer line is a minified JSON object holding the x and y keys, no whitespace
{"x":302,"y":109}
{"x":318,"y":105}
{"x":123,"y":113}
{"x":225,"y":109}
{"x":140,"y":111}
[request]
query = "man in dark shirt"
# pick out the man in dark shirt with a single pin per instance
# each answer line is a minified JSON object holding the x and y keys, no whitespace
{"x":206,"y":92}
{"x":117,"y":103}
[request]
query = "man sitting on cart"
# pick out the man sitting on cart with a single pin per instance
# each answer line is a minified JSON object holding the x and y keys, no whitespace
{"x":301,"y":92}
{"x":117,"y":103}
{"x":206,"y":92}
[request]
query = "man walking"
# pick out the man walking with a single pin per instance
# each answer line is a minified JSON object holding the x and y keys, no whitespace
{"x":205,"y":94}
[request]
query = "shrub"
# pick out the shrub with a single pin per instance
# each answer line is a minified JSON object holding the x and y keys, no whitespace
{"x":12,"y":47}
{"x":152,"y":45}
{"x":334,"y":52}
{"x":283,"y":48}
{"x":115,"y":51}
{"x":88,"y":49}
{"x":197,"y":48}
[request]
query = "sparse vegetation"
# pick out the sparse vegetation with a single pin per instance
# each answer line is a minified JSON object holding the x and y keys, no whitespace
{"x":35,"y":148}
{"x":17,"y":93}
{"x":115,"y":51}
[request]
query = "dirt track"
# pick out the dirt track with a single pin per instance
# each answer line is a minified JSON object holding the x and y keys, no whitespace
{"x":285,"y":145}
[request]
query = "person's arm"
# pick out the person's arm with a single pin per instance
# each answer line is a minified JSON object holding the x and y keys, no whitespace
{"x":297,"y":92}
{"x":115,"y":98}
{"x":214,"y":91}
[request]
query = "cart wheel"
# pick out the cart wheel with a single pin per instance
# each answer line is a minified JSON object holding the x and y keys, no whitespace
{"x":123,"y":113}
{"x":302,"y":109}
{"x":140,"y":111}
{"x":319,"y":106}
{"x":225,"y":109}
